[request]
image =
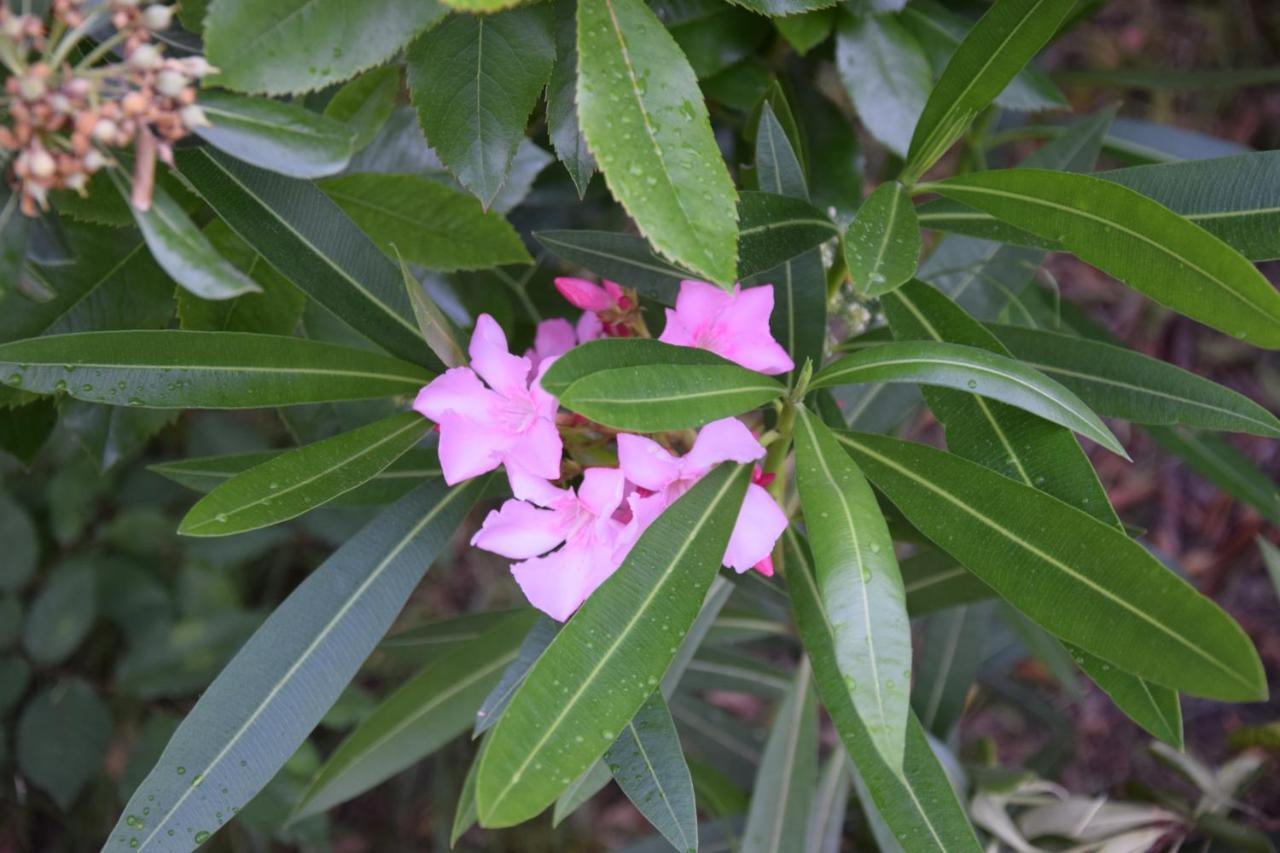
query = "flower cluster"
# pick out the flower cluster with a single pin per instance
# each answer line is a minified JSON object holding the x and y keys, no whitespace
{"x":64,"y":119}
{"x":568,"y":541}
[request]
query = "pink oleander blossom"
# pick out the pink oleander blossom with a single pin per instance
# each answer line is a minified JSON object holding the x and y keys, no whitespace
{"x":591,"y":297}
{"x":505,"y":420}
{"x":733,"y":325}
{"x":664,"y":477}
{"x":581,"y":528}
{"x":557,"y":336}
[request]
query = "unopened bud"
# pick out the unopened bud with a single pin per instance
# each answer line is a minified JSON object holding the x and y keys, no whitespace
{"x":134,"y":104}
{"x":145,"y":56}
{"x":13,"y":26}
{"x":157,"y":17}
{"x":93,"y":161}
{"x":192,"y":116}
{"x":42,"y":164}
{"x":197,"y":66}
{"x":31,"y":87}
{"x":171,"y":83}
{"x":78,"y":182}
{"x":60,"y":103}
{"x":106,"y":131}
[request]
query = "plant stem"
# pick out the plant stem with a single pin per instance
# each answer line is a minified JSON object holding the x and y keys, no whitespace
{"x":775,"y":461}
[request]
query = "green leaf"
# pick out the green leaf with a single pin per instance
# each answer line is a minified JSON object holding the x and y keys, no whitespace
{"x":933,"y":580}
{"x":886,"y":73}
{"x":62,"y":739}
{"x":882,"y":246}
{"x":915,"y":799}
{"x":441,"y":334}
{"x":283,"y":137}
{"x":948,"y":663}
{"x":562,"y":108}
{"x":830,"y":804}
{"x":441,"y":636}
{"x":474,"y":81}
{"x":1005,"y":39}
{"x":300,"y":480}
{"x":784,"y":783}
{"x":206,"y":473}
{"x":1151,"y":706}
{"x":941,"y":32}
{"x":280,"y":684}
{"x":592,"y":357}
{"x":649,"y":766}
{"x":1038,"y":552}
{"x":423,"y":714}
{"x":778,"y":168}
{"x":302,"y":45}
{"x":1120,"y":383}
{"x":806,"y":30}
{"x":620,"y":257}
{"x":644,"y":117}
{"x":671,"y":395}
{"x":169,"y":369}
{"x":181,"y":250}
{"x":428,"y":223}
{"x":777,"y":228}
{"x":61,"y":614}
{"x":779,"y":8}
{"x":464,"y":817}
{"x":616,"y":633}
{"x":1134,"y":239}
{"x":531,"y":648}
{"x":859,"y":583}
{"x":274,"y":311}
{"x":1225,"y":467}
{"x":365,"y":103}
{"x":311,"y":242}
{"x":21,"y":544}
{"x":15,"y":672}
{"x":974,"y":370}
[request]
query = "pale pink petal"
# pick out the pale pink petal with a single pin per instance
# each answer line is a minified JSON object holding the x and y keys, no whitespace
{"x":589,"y":327}
{"x":521,"y":530}
{"x":764,"y":356}
{"x":558,"y":583}
{"x":458,"y":391}
{"x":584,"y":294}
{"x":677,"y":332}
{"x":506,"y":373}
{"x":765,"y":566}
{"x":744,"y":335}
{"x":543,"y":402}
{"x":538,"y":449}
{"x":601,"y":490}
{"x":725,"y":440}
{"x":646,"y":463}
{"x":699,"y":303}
{"x":760,"y":522}
{"x":644,"y":511}
{"x":469,"y":448}
{"x":553,"y":337}
{"x":530,"y":487}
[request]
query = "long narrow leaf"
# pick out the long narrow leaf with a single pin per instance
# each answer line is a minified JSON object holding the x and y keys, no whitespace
{"x":784,"y":783}
{"x":649,"y":765}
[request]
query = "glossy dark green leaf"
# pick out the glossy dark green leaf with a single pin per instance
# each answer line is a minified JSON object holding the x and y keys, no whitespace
{"x":1134,"y":239}
{"x":713,"y":36}
{"x":562,"y":107}
{"x":365,"y":103}
{"x":464,"y":816}
{"x":298,"y":481}
{"x":933,"y":580}
{"x":1038,"y":552}
{"x":916,"y":799}
{"x":276,"y":310}
{"x":311,"y":242}
{"x":644,"y":117}
{"x":206,"y":473}
{"x":783,"y":789}
{"x":62,"y":739}
{"x":942,"y":31}
{"x":649,"y":766}
{"x":806,"y":30}
{"x":428,"y":223}
{"x":166,"y":369}
{"x":779,"y":8}
{"x":621,"y":353}
{"x":1120,"y":383}
{"x":882,"y":245}
{"x":284,"y":679}
{"x":628,"y":260}
{"x":474,"y":80}
{"x":948,"y":663}
{"x":61,"y":614}
{"x":531,"y":648}
{"x":667,"y":573}
{"x":1223,"y":465}
{"x":778,"y":167}
{"x":182,"y":251}
{"x":424,"y":713}
{"x":859,"y":584}
{"x":830,"y":804}
{"x":283,"y":137}
{"x":1005,"y":39}
{"x":886,"y":73}
{"x":1151,"y":706}
{"x":974,"y":370}
{"x":777,"y":228}
{"x":302,"y":45}
{"x":423,"y":642}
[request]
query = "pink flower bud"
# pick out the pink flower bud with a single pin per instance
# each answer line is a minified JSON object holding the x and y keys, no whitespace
{"x":581,"y":293}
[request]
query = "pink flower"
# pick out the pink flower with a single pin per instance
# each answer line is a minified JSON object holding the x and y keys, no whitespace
{"x":581,"y":525}
{"x":733,"y":325}
{"x":557,"y":336}
{"x":665,"y":477}
{"x":511,"y":422}
{"x":581,"y":293}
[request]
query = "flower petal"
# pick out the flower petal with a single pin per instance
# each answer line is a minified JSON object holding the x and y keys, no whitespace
{"x":558,"y":583}
{"x":589,"y":327}
{"x":744,"y":332}
{"x":469,"y":448}
{"x":725,"y":440}
{"x":646,"y":463}
{"x":699,"y":303}
{"x":521,"y":530}
{"x":601,"y":490}
{"x":506,"y":373}
{"x":553,"y":337}
{"x":677,"y":331}
{"x":584,"y":294}
{"x":538,"y":449}
{"x":760,"y":523}
{"x":457,"y":391}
